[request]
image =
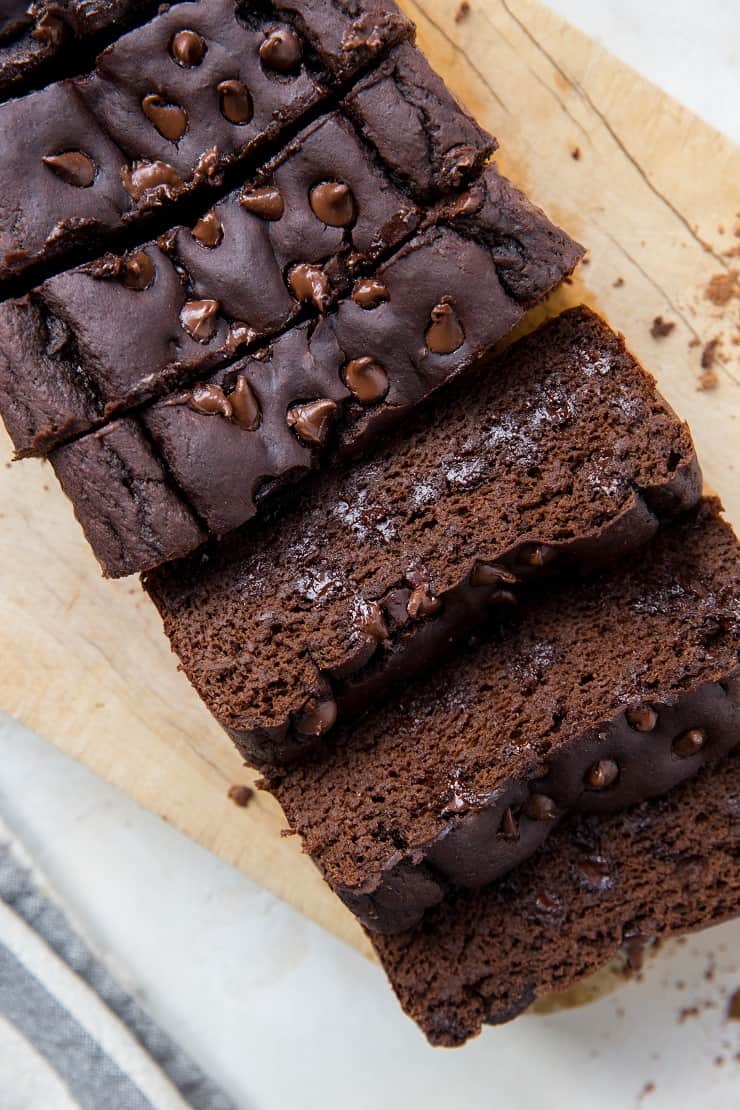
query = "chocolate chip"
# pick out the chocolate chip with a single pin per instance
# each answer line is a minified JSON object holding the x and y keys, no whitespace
{"x":199,"y":319}
{"x":603,"y":774}
{"x":309,"y":283}
{"x":635,"y":946}
{"x":332,"y":202}
{"x":140,"y":178}
{"x":74,"y":168}
{"x":541,"y":808}
{"x":317,"y":717}
{"x":509,"y":826}
{"x":281,"y":50}
{"x":369,"y":293}
{"x":138,"y":271}
{"x":537,"y":554}
{"x":49,"y":30}
{"x":444,"y":334}
{"x":240,"y":334}
{"x":491,"y":574}
{"x":245,"y":406}
{"x":372,"y":622}
{"x":643,"y":718}
{"x":169,"y":119}
{"x":594,"y":870}
{"x":366,"y":379}
{"x":188,"y":48}
{"x":210,"y":400}
{"x":209,"y":230}
{"x":395,"y":604}
{"x":311,"y":422}
{"x":236,"y":103}
{"x":265,"y":202}
{"x":689,"y":742}
{"x":422,"y":602}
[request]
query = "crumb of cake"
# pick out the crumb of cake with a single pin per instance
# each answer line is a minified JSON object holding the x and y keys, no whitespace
{"x":462,"y":12}
{"x":575,"y":153}
{"x":686,"y":1013}
{"x":708,"y":380}
{"x":710,"y":353}
{"x":240,"y":795}
{"x":723,"y":287}
{"x":695,"y":341}
{"x":647,"y":1089}
{"x":618,"y":283}
{"x":733,"y":1006}
{"x":719,"y":1061}
{"x":288,"y":832}
{"x":661,"y":328}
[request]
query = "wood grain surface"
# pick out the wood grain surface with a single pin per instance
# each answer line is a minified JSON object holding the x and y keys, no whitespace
{"x":649,"y":188}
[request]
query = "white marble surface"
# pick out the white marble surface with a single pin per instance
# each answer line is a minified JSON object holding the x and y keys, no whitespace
{"x":284,"y":1016}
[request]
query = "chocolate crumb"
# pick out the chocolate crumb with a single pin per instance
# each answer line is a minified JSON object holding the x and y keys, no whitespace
{"x":575,"y":153}
{"x":463,"y":11}
{"x":708,"y":378}
{"x":661,"y":328}
{"x":618,"y":283}
{"x":240,"y":795}
{"x":687,"y":1012}
{"x":723,"y":287}
{"x":733,"y":1007}
{"x":647,"y":1089}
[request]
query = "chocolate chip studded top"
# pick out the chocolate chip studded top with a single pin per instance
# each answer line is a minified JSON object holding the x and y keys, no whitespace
{"x":528,"y":726}
{"x":546,"y":448}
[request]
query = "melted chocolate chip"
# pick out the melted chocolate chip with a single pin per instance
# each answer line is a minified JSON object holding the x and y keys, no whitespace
{"x":309,"y":283}
{"x":188,"y":48}
{"x":240,"y":334}
{"x":199,"y":319}
{"x":138,"y":271}
{"x":169,"y":119}
{"x":541,"y":808}
{"x":317,"y":717}
{"x":509,"y":826}
{"x":74,"y":168}
{"x":422,"y":602}
{"x":244,"y":405}
{"x":265,"y":202}
{"x":643,"y":718}
{"x":537,"y":554}
{"x":366,"y":379}
{"x":235,"y":101}
{"x":395,"y":604}
{"x":444,"y":334}
{"x":635,"y":946}
{"x":142,"y":177}
{"x":311,"y":422}
{"x":603,"y":774}
{"x":49,"y":30}
{"x":209,"y":231}
{"x":491,"y":574}
{"x":594,"y":870}
{"x":210,"y":400}
{"x":502,"y":597}
{"x":372,"y":622}
{"x":689,"y":742}
{"x":333,"y":203}
{"x":369,"y":293}
{"x":281,"y":50}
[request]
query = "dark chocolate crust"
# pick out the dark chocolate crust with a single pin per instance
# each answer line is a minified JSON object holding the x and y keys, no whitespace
{"x":588,"y":699}
{"x":422,"y":134}
{"x":563,"y":442}
{"x":664,"y":868}
{"x":220,"y":467}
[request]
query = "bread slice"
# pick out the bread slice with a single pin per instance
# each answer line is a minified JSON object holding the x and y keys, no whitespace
{"x":590,"y":697}
{"x":561,"y":455}
{"x":600,"y":884}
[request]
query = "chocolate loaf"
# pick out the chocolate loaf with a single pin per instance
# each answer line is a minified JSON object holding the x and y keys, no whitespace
{"x":559,"y":455}
{"x":169,"y":107}
{"x":588,"y":698}
{"x":664,"y":868}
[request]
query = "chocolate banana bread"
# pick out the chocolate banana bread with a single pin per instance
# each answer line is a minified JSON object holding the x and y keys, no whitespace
{"x":559,"y":455}
{"x":663,"y":868}
{"x":588,"y":698}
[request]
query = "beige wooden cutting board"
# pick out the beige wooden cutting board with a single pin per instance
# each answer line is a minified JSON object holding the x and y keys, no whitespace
{"x":643,"y":183}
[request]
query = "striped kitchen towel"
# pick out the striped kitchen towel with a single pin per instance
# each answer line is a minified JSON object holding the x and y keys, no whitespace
{"x":70,"y":1036}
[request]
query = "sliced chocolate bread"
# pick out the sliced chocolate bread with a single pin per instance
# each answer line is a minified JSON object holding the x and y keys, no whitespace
{"x":560,"y":455}
{"x":664,"y":868}
{"x":592,"y":696}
